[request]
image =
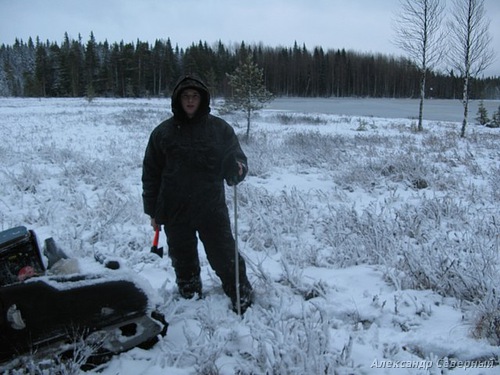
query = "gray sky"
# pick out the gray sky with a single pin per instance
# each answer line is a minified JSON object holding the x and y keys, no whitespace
{"x":360,"y":25}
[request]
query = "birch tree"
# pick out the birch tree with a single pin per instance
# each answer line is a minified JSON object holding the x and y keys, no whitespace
{"x":419,"y":34}
{"x":471,"y":52}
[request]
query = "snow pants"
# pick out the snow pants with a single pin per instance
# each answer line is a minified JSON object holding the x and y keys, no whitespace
{"x":218,"y":241}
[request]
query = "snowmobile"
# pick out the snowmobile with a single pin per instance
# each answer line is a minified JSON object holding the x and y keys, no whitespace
{"x":43,"y":313}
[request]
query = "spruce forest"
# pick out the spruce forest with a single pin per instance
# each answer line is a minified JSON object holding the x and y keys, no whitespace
{"x":75,"y":68}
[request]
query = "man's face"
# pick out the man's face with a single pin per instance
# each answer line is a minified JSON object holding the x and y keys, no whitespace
{"x":190,"y":100}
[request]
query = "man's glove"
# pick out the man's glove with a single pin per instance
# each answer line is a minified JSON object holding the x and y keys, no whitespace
{"x":235,"y":172}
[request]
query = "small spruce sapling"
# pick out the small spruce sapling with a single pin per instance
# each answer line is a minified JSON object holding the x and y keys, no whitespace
{"x":482,"y":114}
{"x":495,"y":121}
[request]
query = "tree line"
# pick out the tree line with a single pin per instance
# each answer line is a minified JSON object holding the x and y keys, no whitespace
{"x":75,"y":68}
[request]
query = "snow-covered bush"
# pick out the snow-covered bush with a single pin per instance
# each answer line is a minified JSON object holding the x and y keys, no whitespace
{"x":292,"y":118}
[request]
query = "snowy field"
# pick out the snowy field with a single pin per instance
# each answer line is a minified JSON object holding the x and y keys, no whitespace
{"x":372,"y":249}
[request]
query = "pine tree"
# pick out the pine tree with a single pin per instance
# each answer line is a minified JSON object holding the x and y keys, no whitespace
{"x":249,"y":93}
{"x":495,"y":121}
{"x":482,"y":114}
{"x":91,"y":67}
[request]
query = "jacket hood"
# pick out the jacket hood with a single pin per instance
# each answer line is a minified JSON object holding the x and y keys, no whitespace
{"x":190,"y":82}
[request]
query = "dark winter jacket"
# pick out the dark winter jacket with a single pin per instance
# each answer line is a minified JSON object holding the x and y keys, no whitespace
{"x":187,"y":160}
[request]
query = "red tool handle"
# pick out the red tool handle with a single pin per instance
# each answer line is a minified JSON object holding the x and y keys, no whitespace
{"x":157,"y":236}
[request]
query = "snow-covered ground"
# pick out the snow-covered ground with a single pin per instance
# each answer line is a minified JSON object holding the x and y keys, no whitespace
{"x":372,"y":249}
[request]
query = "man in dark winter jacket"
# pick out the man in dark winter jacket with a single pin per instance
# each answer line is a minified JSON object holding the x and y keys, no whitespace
{"x":187,"y":159}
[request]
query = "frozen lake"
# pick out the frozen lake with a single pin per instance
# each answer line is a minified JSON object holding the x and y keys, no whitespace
{"x":434,"y":109}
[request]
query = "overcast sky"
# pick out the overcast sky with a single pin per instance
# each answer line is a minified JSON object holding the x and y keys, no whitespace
{"x":360,"y":25}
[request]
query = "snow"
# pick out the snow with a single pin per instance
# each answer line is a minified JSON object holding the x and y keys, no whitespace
{"x":330,"y":224}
